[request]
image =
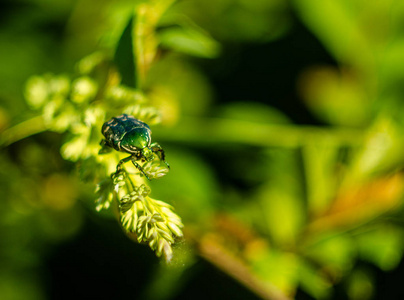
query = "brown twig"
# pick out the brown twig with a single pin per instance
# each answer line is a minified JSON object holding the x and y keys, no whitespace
{"x":222,"y":259}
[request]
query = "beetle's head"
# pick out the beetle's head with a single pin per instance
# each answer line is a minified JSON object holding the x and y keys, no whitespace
{"x":136,"y":139}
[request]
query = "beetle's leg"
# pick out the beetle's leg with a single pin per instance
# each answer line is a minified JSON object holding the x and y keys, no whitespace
{"x":105,"y":148}
{"x":133,"y":158}
{"x":155,"y":147}
{"x":121,"y":162}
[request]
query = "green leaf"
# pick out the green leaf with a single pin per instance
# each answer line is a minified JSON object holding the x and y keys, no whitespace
{"x":314,"y":282}
{"x":124,"y":56}
{"x":360,"y":285}
{"x":334,"y":251}
{"x":320,"y":159}
{"x":381,"y":150}
{"x":335,"y":96}
{"x":382,"y":246}
{"x":189,"y":40}
{"x":281,"y":209}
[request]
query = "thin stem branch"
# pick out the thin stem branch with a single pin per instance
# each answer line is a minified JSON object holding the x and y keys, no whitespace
{"x":129,"y":179}
{"x":22,"y":130}
{"x":219,"y":131}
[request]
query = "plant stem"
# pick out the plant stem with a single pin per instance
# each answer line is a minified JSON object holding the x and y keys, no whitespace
{"x":22,"y":131}
{"x":129,"y":179}
{"x":220,"y":131}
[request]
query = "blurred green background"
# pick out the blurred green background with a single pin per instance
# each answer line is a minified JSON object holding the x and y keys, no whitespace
{"x":282,"y":122}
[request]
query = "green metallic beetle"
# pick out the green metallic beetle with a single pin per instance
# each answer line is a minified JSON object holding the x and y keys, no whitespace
{"x":127,"y":134}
